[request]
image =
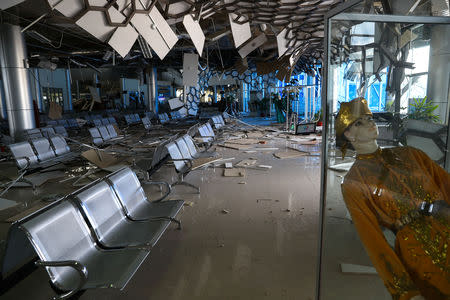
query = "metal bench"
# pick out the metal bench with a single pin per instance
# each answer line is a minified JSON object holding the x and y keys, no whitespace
{"x":97,"y":122}
{"x":48,"y":132}
{"x":61,"y":131}
{"x":112,"y":120}
{"x":193,"y":149}
{"x":107,"y":216}
{"x":63,"y":122}
{"x":72,"y":257}
{"x":96,"y":137}
{"x":24,"y":155}
{"x":105,"y":121}
{"x":183,"y":164}
{"x":146,"y":122}
{"x":33,"y":133}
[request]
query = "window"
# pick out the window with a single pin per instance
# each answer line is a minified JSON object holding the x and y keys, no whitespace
{"x":50,"y":94}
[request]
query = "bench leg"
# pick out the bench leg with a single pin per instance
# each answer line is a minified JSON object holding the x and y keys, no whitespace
{"x":187,"y":184}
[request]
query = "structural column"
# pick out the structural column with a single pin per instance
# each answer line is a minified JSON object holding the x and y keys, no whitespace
{"x":152,"y":86}
{"x":16,"y":81}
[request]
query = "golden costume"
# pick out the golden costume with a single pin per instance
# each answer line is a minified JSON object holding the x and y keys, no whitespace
{"x":404,"y":190}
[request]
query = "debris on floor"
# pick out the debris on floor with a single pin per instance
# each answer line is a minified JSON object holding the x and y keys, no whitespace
{"x":259,"y":200}
{"x":242,"y":182}
{"x":188,"y":203}
{"x":238,"y":172}
{"x":287,"y":210}
{"x":266,"y":167}
{"x":246,"y":162}
{"x":290,"y":153}
{"x":228,"y":165}
{"x":224,"y":211}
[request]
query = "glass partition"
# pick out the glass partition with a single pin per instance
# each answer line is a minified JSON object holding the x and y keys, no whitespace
{"x":385,"y":183}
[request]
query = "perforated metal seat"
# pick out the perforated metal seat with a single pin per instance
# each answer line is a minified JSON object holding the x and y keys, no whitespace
{"x":129,"y":190}
{"x":137,"y":118}
{"x":59,"y":145}
{"x":97,"y":122}
{"x":112,"y":132}
{"x":64,"y":244}
{"x":105,"y":121}
{"x":128,"y":119}
{"x":33,"y":133}
{"x":63,"y":123}
{"x":107,"y":217}
{"x":44,"y":150}
{"x":182,"y":164}
{"x":60,"y":130}
{"x":47,"y":131}
{"x":96,"y":137}
{"x":23,"y":154}
{"x":52,"y":123}
{"x":104,"y":133}
{"x":146,"y":122}
{"x":184,"y":150}
{"x":73,"y":123}
{"x":112,"y":120}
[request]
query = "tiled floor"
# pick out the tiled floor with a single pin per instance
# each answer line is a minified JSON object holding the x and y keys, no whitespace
{"x":265,"y":247}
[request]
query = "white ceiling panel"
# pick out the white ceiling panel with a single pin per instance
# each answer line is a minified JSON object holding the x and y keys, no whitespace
{"x":241,"y":33}
{"x":123,"y":39}
{"x":94,"y":22}
{"x":195,"y":32}
{"x":4,"y":4}
{"x":282,"y":41}
{"x":163,"y":27}
{"x":252,"y":45}
{"x":146,"y":28}
{"x":190,"y":69}
{"x":69,"y":8}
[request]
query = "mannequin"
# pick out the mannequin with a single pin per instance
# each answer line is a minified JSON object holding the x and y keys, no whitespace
{"x":403,"y":190}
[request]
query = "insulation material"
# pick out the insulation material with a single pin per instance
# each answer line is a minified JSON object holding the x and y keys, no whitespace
{"x":69,"y":8}
{"x":195,"y":32}
{"x":241,"y":33}
{"x":95,"y":23}
{"x":252,"y":45}
{"x":190,"y":69}
{"x":234,"y":172}
{"x":4,"y":4}
{"x":123,"y":39}
{"x":101,"y":159}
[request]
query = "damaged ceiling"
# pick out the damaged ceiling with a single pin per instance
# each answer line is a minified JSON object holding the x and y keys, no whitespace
{"x":268,"y":36}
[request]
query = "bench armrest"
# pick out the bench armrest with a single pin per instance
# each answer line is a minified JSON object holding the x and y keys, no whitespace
{"x":79,"y":267}
{"x":169,"y":189}
{"x":157,"y":219}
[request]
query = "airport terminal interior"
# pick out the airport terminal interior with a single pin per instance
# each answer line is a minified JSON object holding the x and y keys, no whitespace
{"x":224,"y":149}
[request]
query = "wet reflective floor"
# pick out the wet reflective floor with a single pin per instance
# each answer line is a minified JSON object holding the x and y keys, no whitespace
{"x":251,"y":237}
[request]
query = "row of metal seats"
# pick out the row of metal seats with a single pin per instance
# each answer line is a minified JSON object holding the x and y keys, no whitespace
{"x":103,"y":121}
{"x":163,"y":118}
{"x":146,"y":122}
{"x":98,"y":236}
{"x":45,"y":132}
{"x":41,"y":152}
{"x":218,"y":121}
{"x":67,"y":123}
{"x":132,"y":119}
{"x":103,"y":133}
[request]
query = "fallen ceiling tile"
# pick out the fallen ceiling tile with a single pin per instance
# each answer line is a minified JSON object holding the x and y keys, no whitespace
{"x":241,"y":33}
{"x":195,"y":32}
{"x":123,"y":39}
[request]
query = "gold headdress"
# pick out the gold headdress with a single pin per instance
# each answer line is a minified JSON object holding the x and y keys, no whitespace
{"x":349,"y":113}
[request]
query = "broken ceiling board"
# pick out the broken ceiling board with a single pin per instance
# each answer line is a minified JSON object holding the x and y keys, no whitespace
{"x":100,"y":158}
{"x":123,"y":39}
{"x":290,"y":153}
{"x":175,"y":103}
{"x":190,"y":69}
{"x":241,"y":33}
{"x":163,"y":28}
{"x":39,"y":179}
{"x":235,"y":146}
{"x":5,"y":4}
{"x":178,"y":8}
{"x":195,"y":32}
{"x":357,"y":269}
{"x":200,"y":162}
{"x":69,"y":8}
{"x":252,"y":45}
{"x":282,"y":41}
{"x":243,"y":141}
{"x":95,"y":23}
{"x":147,"y":29}
{"x":239,"y":172}
{"x":255,"y":134}
{"x":246,"y":163}
{"x":94,"y":94}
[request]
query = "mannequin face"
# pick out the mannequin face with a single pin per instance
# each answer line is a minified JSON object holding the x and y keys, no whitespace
{"x":362,"y":131}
